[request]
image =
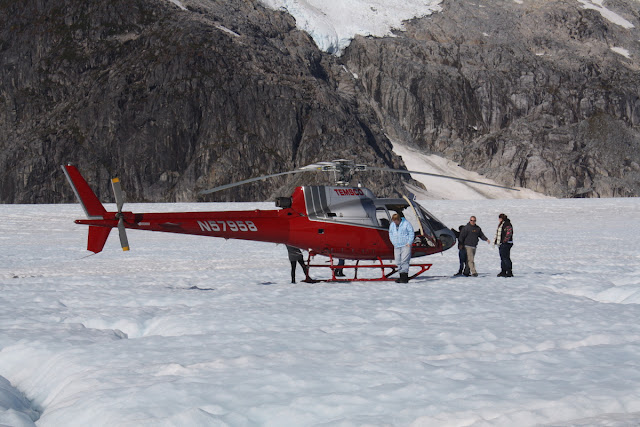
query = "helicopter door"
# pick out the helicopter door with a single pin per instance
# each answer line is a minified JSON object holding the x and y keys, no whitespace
{"x":415,"y":213}
{"x":424,"y":224}
{"x":431,"y":227}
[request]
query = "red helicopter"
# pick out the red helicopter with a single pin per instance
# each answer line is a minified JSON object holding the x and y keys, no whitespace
{"x":339,"y":221}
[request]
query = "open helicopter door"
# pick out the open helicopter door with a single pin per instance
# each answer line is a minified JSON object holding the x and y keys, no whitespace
{"x":414,"y":217}
{"x":424,"y":234}
{"x":431,"y":228}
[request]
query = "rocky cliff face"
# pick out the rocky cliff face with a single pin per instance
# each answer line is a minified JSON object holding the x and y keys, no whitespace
{"x":543,"y":94}
{"x":171,"y":101}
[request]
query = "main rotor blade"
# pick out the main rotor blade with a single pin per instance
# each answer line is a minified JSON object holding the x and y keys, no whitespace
{"x":117,"y":191}
{"x":124,"y":242}
{"x":246,"y":181}
{"x":440,"y":176}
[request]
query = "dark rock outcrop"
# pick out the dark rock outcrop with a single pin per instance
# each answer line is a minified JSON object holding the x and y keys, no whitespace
{"x":538,"y":94}
{"x":172,"y":101}
{"x":535,"y":94}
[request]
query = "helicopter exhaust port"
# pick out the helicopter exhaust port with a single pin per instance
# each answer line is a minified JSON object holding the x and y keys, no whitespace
{"x":283,"y":202}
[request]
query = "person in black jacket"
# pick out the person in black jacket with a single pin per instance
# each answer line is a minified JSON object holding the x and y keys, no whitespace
{"x":504,"y":240}
{"x":462,"y":252}
{"x":295,"y":256}
{"x":469,"y":237}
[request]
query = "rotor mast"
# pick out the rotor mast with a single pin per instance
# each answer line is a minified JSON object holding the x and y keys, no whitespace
{"x":343,"y":170}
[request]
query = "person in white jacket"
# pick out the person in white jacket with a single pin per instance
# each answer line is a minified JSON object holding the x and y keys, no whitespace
{"x":401,"y":235}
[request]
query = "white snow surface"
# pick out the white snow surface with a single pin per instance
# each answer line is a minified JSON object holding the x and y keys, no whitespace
{"x":334,"y":23}
{"x":446,"y":189}
{"x":607,"y":14}
{"x":621,"y":51}
{"x":179,"y":4}
{"x":195,"y":331}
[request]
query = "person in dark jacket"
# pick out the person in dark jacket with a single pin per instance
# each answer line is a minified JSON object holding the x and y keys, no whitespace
{"x":295,"y":256}
{"x":504,"y":240}
{"x":469,"y":237}
{"x":462,"y":252}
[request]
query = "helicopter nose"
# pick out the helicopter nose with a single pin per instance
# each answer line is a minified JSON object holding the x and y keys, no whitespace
{"x":447,"y":238}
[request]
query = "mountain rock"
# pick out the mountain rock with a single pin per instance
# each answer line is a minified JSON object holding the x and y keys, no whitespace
{"x":543,"y":94}
{"x":172,"y":101}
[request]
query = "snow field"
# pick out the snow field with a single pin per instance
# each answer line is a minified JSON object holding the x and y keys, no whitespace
{"x":186,"y":330}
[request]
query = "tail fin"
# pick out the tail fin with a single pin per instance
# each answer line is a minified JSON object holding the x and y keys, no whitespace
{"x":88,"y":199}
{"x":92,"y":207}
{"x":97,"y":238}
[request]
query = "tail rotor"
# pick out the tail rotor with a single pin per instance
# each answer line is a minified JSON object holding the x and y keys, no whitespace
{"x":117,"y":191}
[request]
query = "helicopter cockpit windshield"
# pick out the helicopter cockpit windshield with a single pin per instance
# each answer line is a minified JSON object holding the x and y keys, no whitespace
{"x":428,"y":228}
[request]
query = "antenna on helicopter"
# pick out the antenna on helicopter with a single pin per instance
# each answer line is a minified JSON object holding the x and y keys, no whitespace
{"x":343,"y":171}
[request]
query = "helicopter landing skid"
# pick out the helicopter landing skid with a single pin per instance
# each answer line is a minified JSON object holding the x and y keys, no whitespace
{"x":381,"y":265}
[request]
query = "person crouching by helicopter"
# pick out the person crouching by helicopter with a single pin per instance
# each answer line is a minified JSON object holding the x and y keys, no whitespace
{"x":401,"y":235}
{"x":295,"y":257}
{"x":339,"y":272}
{"x":469,"y":237}
{"x":504,"y":240}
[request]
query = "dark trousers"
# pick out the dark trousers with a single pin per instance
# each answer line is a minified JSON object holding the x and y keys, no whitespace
{"x":462,"y":255}
{"x":505,"y":256}
{"x":293,"y":269}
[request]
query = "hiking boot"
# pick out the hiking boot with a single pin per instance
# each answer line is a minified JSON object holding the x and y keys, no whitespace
{"x":459,"y":273}
{"x":502,"y":274}
{"x":475,"y":274}
{"x":509,"y":273}
{"x":404,"y":278}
